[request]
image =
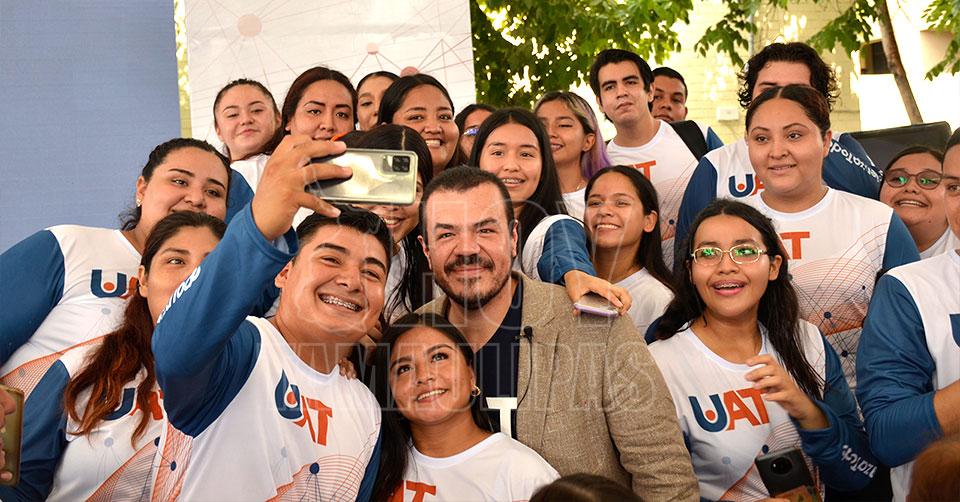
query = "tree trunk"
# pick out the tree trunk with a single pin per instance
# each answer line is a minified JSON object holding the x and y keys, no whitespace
{"x":892,"y":53}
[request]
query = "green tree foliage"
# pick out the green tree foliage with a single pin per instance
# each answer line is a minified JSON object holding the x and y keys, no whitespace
{"x":549,"y":44}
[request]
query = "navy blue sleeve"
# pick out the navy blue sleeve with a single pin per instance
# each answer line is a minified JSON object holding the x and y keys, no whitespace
{"x":895,"y":376}
{"x":239,"y":195}
{"x":849,"y":168}
{"x":651,"y":334}
{"x":700,"y":191}
{"x":44,"y":437}
{"x":31,"y":281}
{"x":203,"y":348}
{"x":841,"y":450}
{"x":900,"y":248}
{"x":370,"y":474}
{"x":564,"y":249}
{"x":713,"y":141}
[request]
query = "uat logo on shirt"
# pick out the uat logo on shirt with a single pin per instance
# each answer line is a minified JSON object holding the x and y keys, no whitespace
{"x":730,"y":407}
{"x":116,"y":285}
{"x":303,"y":411}
{"x":750,"y":186}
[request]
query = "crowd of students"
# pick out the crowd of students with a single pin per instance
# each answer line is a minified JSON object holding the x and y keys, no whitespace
{"x":240,"y":339}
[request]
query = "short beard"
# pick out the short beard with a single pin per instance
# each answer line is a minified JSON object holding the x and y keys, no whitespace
{"x":479,"y":300}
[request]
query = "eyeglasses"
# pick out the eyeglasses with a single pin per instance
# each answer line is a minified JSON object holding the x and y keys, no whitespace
{"x":471,"y":131}
{"x":741,"y":254}
{"x":927,"y":180}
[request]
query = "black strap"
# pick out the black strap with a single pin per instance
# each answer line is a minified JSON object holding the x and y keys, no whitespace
{"x":692,"y":136}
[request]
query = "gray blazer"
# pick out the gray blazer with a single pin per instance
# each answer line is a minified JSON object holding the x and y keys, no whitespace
{"x":593,"y":399}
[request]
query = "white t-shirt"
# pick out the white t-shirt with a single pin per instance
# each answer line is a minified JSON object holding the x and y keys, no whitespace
{"x":496,"y":469}
{"x":650,"y":298}
{"x":947,"y":242}
{"x":667,"y":162}
{"x":575,"y":204}
{"x":836,"y":249}
{"x":726,"y":422}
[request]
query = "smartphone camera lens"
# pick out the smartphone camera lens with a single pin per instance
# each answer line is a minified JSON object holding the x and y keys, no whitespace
{"x":401,"y":164}
{"x":781,"y":466}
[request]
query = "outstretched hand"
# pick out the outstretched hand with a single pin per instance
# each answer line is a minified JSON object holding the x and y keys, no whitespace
{"x":579,"y":283}
{"x":280,"y":193}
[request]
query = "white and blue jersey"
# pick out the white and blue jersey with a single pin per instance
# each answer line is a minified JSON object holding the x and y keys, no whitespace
{"x":837,"y":249}
{"x":727,"y":172}
{"x":947,"y":243}
{"x":65,"y":286}
{"x":248,"y":419}
{"x":104,"y":465}
{"x":668,"y":163}
{"x":727,"y":423}
{"x":909,"y":350}
{"x":244,"y":177}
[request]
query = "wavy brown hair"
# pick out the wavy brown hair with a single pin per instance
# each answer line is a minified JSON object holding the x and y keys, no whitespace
{"x":125,"y":351}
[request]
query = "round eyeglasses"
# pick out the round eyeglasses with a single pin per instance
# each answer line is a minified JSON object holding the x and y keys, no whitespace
{"x":927,"y":180}
{"x":741,"y":254}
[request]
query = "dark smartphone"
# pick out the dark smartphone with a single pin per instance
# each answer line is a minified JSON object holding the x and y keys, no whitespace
{"x":12,"y":433}
{"x":785,"y":475}
{"x":379,"y":177}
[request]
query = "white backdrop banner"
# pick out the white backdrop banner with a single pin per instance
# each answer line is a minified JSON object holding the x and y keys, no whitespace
{"x":273,"y":41}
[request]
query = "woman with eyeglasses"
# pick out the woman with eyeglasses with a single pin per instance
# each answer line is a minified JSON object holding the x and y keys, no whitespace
{"x":911,"y":186}
{"x":468,"y":123}
{"x":747,"y":375}
{"x":838,"y":243}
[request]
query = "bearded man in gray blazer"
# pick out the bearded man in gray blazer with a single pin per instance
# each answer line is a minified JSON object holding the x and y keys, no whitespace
{"x":583,"y":391}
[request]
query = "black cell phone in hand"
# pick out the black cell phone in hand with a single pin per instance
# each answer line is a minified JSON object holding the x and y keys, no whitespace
{"x":785,"y":475}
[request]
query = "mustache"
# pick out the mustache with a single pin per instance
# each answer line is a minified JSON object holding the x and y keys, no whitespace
{"x":466,"y":261}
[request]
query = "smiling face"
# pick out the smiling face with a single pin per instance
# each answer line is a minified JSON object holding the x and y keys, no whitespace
{"x":914,"y":204}
{"x":787,"y":149}
{"x":623,"y":98}
{"x":669,"y":99}
{"x":334,"y":286}
{"x":730,"y":290}
{"x":368,"y":101}
{"x":429,"y":377}
{"x":469,"y":244}
{"x":325,"y":110}
{"x":568,"y":139}
{"x":615,"y":216}
{"x":172,"y":264}
{"x":426,"y":110}
{"x":188,"y":179}
{"x":246,"y":120}
{"x":401,"y":220}
{"x":512,"y":153}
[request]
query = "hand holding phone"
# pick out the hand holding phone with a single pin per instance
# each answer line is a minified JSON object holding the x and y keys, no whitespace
{"x":379,"y":177}
{"x":592,"y":303}
{"x":785,"y":475}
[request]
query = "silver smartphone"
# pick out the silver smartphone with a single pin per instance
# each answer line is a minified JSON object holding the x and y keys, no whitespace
{"x":379,"y":177}
{"x":592,"y":303}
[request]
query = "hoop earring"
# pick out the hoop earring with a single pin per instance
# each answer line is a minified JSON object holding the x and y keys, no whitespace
{"x":475,"y":392}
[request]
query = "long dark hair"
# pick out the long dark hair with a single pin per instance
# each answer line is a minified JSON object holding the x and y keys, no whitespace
{"x":393,"y":98}
{"x":650,"y":252}
{"x":416,"y":286}
{"x":395,"y":435}
{"x":129,"y":218}
{"x":547,"y":199}
{"x":125,"y":351}
{"x":299,"y":86}
{"x":779,"y":310}
{"x":277,"y":134}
